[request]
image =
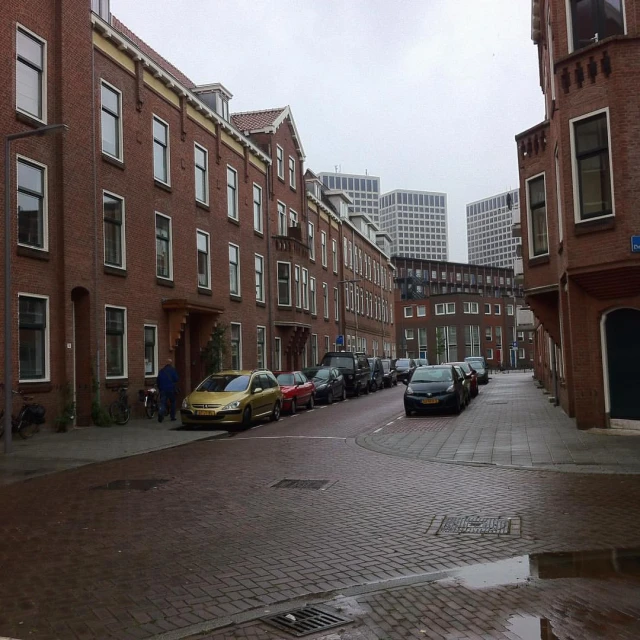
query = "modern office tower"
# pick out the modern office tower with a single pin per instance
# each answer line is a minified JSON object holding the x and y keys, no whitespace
{"x":416,"y":221}
{"x":489,"y":230}
{"x":364,"y":190}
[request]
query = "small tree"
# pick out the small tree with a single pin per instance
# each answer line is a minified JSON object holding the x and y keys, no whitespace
{"x":216,"y":350}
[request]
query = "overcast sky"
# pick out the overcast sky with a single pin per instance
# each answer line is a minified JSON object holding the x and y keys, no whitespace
{"x":426,"y":94}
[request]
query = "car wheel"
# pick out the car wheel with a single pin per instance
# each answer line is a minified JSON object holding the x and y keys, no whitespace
{"x":366,"y":389}
{"x":344,"y":394}
{"x":356,"y":392}
{"x":294,"y":406}
{"x":275,"y":414}
{"x":330,"y":397}
{"x":458,"y":407}
{"x":246,"y":417}
{"x":374,"y":386}
{"x":407,"y":412}
{"x":311,"y":403}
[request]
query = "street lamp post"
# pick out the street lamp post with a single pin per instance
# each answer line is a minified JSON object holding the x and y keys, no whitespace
{"x":8,"y":363}
{"x":355,"y":313}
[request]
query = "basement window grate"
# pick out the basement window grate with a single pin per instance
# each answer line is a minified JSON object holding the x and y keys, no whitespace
{"x":142,"y":484}
{"x":303,"y":622}
{"x":291,"y":483}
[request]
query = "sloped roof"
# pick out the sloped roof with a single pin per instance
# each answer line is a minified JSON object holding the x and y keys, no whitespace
{"x":151,"y":53}
{"x":256,"y":120}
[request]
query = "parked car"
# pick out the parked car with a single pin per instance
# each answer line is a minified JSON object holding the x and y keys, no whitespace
{"x":329,"y":383}
{"x":479,"y":364}
{"x":466,"y":382}
{"x":233,"y":398}
{"x":405,"y":368}
{"x":297,"y":390}
{"x":421,"y":362}
{"x":376,"y":381}
{"x":390,"y":375}
{"x":354,"y":368}
{"x":434,"y":387}
{"x":471,"y":373}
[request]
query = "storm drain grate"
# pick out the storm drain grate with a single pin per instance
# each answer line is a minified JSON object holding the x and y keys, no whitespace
{"x":292,"y":483}
{"x":143,"y":484}
{"x":482,"y":525}
{"x":303,"y":622}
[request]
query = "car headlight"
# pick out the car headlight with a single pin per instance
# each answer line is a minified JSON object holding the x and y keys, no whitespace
{"x":185,"y":404}
{"x":409,"y":391}
{"x":231,"y":406}
{"x":451,"y":389}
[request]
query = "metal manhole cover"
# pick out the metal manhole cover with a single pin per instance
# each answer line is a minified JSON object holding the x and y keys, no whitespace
{"x":302,"y":622}
{"x":143,"y":484}
{"x":291,"y":483}
{"x":482,"y":525}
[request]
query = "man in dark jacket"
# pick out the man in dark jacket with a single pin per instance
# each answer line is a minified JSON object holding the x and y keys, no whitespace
{"x":167,"y":381}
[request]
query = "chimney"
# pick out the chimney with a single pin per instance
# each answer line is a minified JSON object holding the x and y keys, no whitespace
{"x":216,"y":97}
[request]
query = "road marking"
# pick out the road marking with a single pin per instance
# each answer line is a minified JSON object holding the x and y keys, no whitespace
{"x":388,"y":424}
{"x":380,"y":429}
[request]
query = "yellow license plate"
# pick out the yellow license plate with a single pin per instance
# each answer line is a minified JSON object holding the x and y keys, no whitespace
{"x":430,"y":401}
{"x":205,"y":413}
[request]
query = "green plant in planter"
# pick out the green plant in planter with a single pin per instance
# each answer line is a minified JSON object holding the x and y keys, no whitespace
{"x":68,"y":412}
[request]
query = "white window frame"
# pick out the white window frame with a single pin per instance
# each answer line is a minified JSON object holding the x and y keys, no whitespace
{"x":489,"y":353}
{"x":47,"y":340}
{"x":574,"y":166}
{"x":440,"y":309}
{"x":529,"y":218}
{"x":204,"y":169}
{"x":311,"y":237}
{"x":146,"y":326}
{"x":336,"y":304}
{"x":283,"y":223}
{"x":408,"y":312}
{"x":280,"y":161}
{"x":170,"y":276}
{"x":237,"y":293}
{"x":305,"y":289}
{"x":259,"y":257}
{"x":488,"y":334}
{"x":260,"y":365}
{"x":233,"y":214}
{"x":313,"y":296}
{"x":45,"y":202}
{"x":120,"y":123}
{"x":43,"y":76}
{"x":292,"y":172}
{"x":499,"y":307}
{"x":123,"y":234}
{"x":297,"y":285}
{"x":208,"y":238}
{"x":277,"y":353}
{"x":509,"y":309}
{"x":236,"y":324}
{"x":408,"y":334}
{"x":487,"y":304}
{"x":125,"y":349}
{"x":421,"y":310}
{"x":290,"y":303}
{"x":325,"y":300}
{"x":167,"y":150}
{"x":569,"y":16}
{"x":258,"y":215}
{"x":334,"y":250}
{"x":451,"y":311}
{"x":323,"y":248}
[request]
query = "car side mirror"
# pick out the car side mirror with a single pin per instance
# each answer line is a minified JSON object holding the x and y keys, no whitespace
{"x":257,"y":390}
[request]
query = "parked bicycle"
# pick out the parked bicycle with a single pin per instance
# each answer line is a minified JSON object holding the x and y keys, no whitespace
{"x":120,"y":410}
{"x":150,"y":397}
{"x":28,"y":420}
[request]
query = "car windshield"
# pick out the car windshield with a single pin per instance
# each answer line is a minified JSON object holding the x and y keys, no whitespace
{"x":432,"y":375}
{"x":465,"y":367}
{"x":386,"y":365}
{"x":403,"y":362}
{"x":341,"y":362}
{"x":479,"y":361}
{"x":214,"y":384}
{"x":317,"y":374}
{"x":285,"y":379}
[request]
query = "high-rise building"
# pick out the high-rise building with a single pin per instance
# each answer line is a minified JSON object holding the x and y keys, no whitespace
{"x":416,"y":221}
{"x":363,"y":190}
{"x":489,"y":230}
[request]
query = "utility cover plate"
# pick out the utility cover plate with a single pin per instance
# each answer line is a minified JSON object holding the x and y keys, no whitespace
{"x":478,"y":525}
{"x":303,"y":622}
{"x":140,"y":484}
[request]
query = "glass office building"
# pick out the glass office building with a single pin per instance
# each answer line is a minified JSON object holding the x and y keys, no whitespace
{"x":363,"y":190}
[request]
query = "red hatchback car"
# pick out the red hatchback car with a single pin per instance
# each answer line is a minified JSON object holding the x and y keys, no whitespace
{"x":470,"y":371}
{"x":297,"y":390}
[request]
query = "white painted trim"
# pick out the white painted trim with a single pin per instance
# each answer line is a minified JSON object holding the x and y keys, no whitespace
{"x":235,"y":195}
{"x":259,"y":229}
{"x":237,"y":324}
{"x":552,"y":75}
{"x":558,"y":196}
{"x":336,"y":304}
{"x":120,"y":120}
{"x":45,"y":201}
{"x":257,"y":255}
{"x":305,"y":277}
{"x":286,"y":219}
{"x":123,"y":233}
{"x":292,"y":172}
{"x":238,"y":273}
{"x":206,"y":171}
{"x":155,"y":349}
{"x":546,"y":214}
{"x":281,"y":150}
{"x":47,"y":339}
{"x":323,"y":248}
{"x":571,"y":48}
{"x":162,"y":215}
{"x":168,"y":149}
{"x":311,"y":239}
{"x":45,"y":74}
{"x":264,"y":346}
{"x":125,"y":346}
{"x":208,"y":236}
{"x":277,"y":348}
{"x":325,"y":300}
{"x":281,"y":304}
{"x":574,"y":166}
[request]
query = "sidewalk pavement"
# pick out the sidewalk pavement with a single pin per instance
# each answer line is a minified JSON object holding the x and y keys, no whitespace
{"x":510,"y":424}
{"x":48,"y":452}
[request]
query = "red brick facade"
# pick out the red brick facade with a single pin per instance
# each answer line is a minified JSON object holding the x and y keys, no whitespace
{"x":585,"y":287}
{"x":156,"y":284}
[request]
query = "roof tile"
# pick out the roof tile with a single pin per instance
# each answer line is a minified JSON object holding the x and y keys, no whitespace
{"x":255,"y":120}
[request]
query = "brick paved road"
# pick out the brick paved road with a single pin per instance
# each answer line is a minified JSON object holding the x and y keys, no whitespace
{"x":217,"y":540}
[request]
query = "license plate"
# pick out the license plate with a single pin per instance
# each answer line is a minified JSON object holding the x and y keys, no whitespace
{"x":430,"y":401}
{"x":205,"y":413}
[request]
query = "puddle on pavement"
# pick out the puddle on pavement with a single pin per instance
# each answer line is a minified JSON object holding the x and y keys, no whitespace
{"x":531,"y":628}
{"x":549,"y":566}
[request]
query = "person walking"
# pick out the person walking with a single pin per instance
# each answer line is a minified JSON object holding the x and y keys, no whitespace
{"x":167,"y":381}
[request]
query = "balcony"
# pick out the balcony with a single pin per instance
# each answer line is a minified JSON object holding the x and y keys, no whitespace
{"x":292,"y":244}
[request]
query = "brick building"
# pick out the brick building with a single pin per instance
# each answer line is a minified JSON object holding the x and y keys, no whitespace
{"x":446,"y":311}
{"x":579,"y":192}
{"x":159,"y":224}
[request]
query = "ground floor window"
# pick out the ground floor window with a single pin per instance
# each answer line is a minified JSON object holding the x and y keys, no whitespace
{"x":150,"y":350}
{"x":33,"y":330}
{"x":260,"y":359}
{"x":277,"y":365}
{"x":236,"y":346}
{"x":446,"y":344}
{"x":471,"y":340}
{"x":314,"y":350}
{"x":116,"y":342}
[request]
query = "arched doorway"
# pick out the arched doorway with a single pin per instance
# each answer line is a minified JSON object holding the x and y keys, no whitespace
{"x":622,"y":372}
{"x":81,"y":382}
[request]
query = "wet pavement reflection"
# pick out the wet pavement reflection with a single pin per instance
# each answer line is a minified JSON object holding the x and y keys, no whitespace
{"x":531,"y":628}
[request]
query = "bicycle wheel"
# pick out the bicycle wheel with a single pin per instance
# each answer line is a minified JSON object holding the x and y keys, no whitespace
{"x":151,"y":408}
{"x":27,"y":429}
{"x":119,"y":412}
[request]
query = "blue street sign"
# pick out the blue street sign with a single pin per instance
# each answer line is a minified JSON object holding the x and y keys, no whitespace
{"x":340,"y":341}
{"x":635,"y":244}
{"x":514,"y":345}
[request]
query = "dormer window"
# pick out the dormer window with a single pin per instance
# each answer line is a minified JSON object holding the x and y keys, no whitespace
{"x":593,"y":20}
{"x":216,"y":97}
